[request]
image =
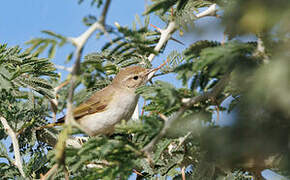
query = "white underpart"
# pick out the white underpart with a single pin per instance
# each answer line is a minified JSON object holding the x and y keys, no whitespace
{"x":121,"y":109}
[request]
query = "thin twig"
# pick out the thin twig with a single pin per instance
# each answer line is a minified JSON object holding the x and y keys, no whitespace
{"x":183,"y":173}
{"x":182,"y":140}
{"x":66,"y":173}
{"x":163,"y":117}
{"x":12,"y":134}
{"x":54,"y":102}
{"x":261,"y":48}
{"x":217,"y":108}
{"x":138,"y":173}
{"x":50,"y":172}
{"x":153,"y":71}
{"x":105,"y":12}
{"x":157,"y":28}
{"x":143,"y":109}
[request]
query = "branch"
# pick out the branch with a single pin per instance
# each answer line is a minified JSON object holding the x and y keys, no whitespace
{"x":165,"y":36}
{"x":167,"y":33}
{"x":12,"y":134}
{"x":54,"y":102}
{"x":79,"y":42}
{"x":50,"y":172}
{"x":260,"y":51}
{"x":187,"y":103}
{"x":210,"y":11}
{"x":105,"y":12}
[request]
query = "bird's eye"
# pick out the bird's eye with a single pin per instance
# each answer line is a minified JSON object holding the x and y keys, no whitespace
{"x":135,"y":77}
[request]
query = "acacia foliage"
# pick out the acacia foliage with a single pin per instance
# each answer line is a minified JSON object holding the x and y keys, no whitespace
{"x":257,"y":95}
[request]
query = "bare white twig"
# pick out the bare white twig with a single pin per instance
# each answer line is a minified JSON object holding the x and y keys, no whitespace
{"x":210,"y":11}
{"x":182,"y":139}
{"x":260,"y":45}
{"x":261,"y":49}
{"x":12,"y":134}
{"x":165,"y":36}
{"x":81,"y":40}
{"x":167,"y":33}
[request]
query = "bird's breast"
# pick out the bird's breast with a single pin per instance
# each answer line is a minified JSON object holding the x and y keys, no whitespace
{"x":120,"y":108}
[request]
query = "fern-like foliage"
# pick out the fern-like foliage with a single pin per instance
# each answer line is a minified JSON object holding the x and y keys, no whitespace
{"x":182,"y":11}
{"x":40,"y":45}
{"x":209,"y":59}
{"x":165,"y":5}
{"x":248,"y":79}
{"x":23,"y":116}
{"x":23,"y":70}
{"x":137,"y":43}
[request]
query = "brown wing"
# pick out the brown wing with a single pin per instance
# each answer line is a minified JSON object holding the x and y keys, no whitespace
{"x":96,"y":103}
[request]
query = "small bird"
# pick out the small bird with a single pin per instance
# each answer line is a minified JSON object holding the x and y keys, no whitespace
{"x":116,"y":102}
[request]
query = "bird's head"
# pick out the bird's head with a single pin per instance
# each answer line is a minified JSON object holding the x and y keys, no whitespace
{"x":131,"y":77}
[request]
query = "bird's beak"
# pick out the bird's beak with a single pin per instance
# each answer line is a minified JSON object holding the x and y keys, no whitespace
{"x":149,"y":73}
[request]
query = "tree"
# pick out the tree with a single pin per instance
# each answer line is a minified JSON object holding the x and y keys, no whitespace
{"x":176,"y":134}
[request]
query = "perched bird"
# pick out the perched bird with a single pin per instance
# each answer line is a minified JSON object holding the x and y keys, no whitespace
{"x":116,"y":102}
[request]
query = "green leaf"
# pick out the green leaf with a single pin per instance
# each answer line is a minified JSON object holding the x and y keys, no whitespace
{"x":163,"y":5}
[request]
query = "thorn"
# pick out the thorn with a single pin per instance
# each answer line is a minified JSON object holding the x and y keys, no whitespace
{"x":163,"y":64}
{"x":163,"y":117}
{"x":183,"y":173}
{"x":217,"y":108}
{"x":177,"y":41}
{"x":136,"y":172}
{"x":159,"y":30}
{"x":153,"y":71}
{"x":117,"y":25}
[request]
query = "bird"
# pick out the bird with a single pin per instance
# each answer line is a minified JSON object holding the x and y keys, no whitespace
{"x":116,"y":102}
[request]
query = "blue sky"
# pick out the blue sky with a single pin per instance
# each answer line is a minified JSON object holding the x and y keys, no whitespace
{"x":22,"y":20}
